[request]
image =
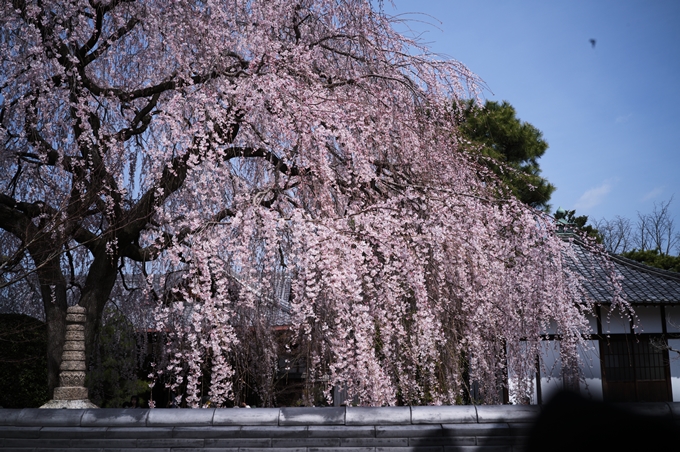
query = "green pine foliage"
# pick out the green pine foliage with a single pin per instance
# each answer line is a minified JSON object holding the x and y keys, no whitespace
{"x":515,"y":147}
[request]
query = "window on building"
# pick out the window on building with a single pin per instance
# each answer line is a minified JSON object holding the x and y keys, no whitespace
{"x":635,"y":369}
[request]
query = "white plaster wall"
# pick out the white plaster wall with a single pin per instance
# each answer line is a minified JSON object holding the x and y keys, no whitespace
{"x":512,"y":384}
{"x":673,"y":319}
{"x":592,"y":323}
{"x":616,"y":324}
{"x":592,"y":371}
{"x":550,"y":370}
{"x":649,"y":319}
{"x":673,"y":326}
{"x":675,"y":368}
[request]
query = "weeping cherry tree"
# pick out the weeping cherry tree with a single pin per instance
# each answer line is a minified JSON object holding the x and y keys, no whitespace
{"x":271,"y":165}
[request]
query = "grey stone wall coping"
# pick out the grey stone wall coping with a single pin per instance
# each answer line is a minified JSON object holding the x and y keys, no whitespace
{"x":50,"y":418}
{"x":160,"y":417}
{"x":246,"y":416}
{"x":675,"y":410}
{"x":357,"y":429}
{"x":312,"y":416}
{"x":341,"y":431}
{"x":114,"y":417}
{"x":8,"y":416}
{"x":507,"y":413}
{"x":649,"y":408}
{"x":443,"y":414}
{"x":378,"y":416}
{"x":316,"y":419}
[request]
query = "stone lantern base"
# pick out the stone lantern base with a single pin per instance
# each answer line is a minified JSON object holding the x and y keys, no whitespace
{"x":71,"y":404}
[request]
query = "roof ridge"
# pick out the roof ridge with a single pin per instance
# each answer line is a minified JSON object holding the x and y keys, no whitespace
{"x":631,"y":263}
{"x":645,"y":268}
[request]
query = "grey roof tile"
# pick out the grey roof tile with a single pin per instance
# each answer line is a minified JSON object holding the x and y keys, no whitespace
{"x":640,"y":284}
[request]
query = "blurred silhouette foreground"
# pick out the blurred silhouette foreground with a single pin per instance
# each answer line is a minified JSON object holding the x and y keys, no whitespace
{"x":570,"y":422}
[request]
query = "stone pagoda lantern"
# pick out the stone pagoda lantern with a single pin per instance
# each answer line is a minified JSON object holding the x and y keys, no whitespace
{"x":72,"y":392}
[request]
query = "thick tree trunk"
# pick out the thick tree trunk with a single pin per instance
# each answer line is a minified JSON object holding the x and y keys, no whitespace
{"x":99,"y":284}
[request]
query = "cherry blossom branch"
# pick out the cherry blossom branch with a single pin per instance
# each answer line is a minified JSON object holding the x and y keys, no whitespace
{"x":159,"y":88}
{"x":149,"y":253}
{"x":106,"y":44}
{"x":250,"y":152}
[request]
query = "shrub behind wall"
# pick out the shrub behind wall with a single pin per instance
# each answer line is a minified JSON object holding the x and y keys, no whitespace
{"x":23,"y":362}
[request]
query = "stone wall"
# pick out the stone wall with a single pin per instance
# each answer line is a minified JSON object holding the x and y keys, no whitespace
{"x":412,"y":429}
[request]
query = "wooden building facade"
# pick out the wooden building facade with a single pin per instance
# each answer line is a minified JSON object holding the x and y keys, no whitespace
{"x":629,"y":360}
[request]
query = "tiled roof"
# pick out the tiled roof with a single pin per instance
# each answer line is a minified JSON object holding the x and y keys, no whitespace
{"x":641,"y":284}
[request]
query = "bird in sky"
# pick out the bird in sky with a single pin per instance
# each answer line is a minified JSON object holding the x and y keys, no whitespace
{"x":593,"y":42}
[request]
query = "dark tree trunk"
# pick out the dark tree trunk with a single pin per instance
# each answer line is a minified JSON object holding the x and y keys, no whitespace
{"x":99,"y":284}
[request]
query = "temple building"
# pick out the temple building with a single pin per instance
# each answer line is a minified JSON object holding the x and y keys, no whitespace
{"x":624,"y":363}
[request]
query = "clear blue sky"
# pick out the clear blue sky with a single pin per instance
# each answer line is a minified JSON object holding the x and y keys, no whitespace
{"x":611,"y":114}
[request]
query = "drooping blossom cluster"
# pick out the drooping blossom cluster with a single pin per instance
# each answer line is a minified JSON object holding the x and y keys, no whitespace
{"x":286,"y":165}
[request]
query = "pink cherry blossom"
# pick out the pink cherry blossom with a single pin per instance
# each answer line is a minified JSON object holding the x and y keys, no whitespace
{"x":288,"y":177}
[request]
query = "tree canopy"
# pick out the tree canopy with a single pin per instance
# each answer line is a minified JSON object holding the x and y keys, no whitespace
{"x":252,"y":166}
{"x":514,"y":147}
{"x":654,"y":258}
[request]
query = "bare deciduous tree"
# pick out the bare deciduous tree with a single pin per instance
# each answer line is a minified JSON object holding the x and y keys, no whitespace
{"x":656,"y":230}
{"x":616,"y":234}
{"x":652,"y":231}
